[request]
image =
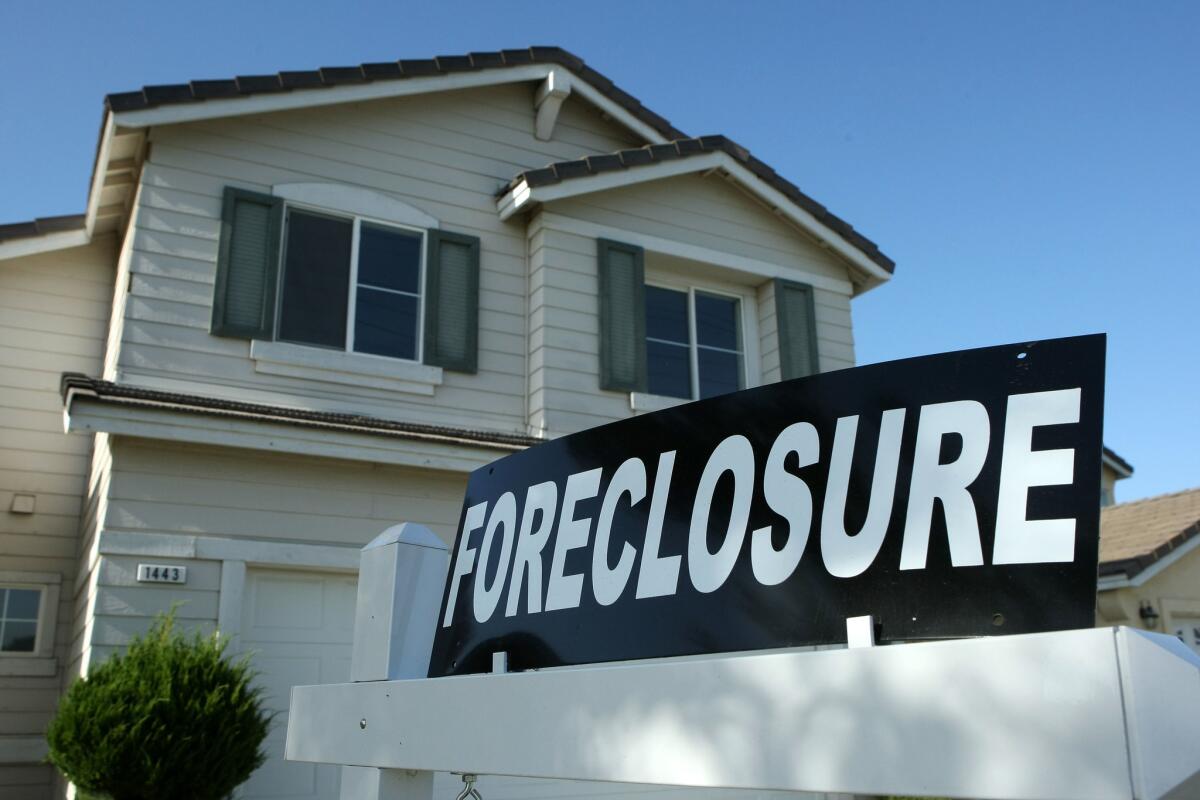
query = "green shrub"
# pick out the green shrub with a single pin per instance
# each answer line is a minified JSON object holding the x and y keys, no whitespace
{"x":173,"y":717}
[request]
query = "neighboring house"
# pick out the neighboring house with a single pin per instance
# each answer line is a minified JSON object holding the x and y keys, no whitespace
{"x":1113,"y":468}
{"x":302,"y":307}
{"x":1150,"y":565}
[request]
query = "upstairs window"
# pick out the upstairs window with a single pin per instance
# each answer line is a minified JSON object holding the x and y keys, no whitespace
{"x":693,"y":343}
{"x":19,"y":613}
{"x":347,"y":269}
{"x":351,"y":284}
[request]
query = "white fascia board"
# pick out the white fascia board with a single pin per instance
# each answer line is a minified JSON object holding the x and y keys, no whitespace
{"x":778,"y":200}
{"x":1115,"y":465}
{"x":692,"y":252}
{"x":107,"y":132}
{"x":163,"y":421}
{"x":522,"y":195}
{"x":49,"y":242}
{"x":309,"y":98}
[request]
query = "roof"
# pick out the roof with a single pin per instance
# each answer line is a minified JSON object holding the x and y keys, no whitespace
{"x":245,"y":85}
{"x":74,"y":384}
{"x":1118,"y":463}
{"x":681,"y":148}
{"x":41,"y":227}
{"x":1133,"y":536}
{"x":119,"y":106}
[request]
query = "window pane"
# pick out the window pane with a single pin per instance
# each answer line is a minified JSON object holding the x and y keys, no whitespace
{"x":18,"y":637}
{"x":668,"y":370}
{"x":666,"y":315}
{"x":720,"y":372}
{"x":717,"y":322}
{"x":385,"y":324}
{"x":22,"y":604}
{"x":389,"y":258}
{"x":316,"y":280}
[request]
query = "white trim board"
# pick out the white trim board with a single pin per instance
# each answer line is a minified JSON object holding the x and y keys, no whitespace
{"x":251,"y":552}
{"x":43,"y":244}
{"x":692,"y":252}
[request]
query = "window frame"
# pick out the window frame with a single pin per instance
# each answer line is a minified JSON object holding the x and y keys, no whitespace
{"x":356,"y":219}
{"x":662,"y":282}
{"x":40,"y":661}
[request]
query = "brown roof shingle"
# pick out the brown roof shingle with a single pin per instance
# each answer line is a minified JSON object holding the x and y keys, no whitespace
{"x":1135,"y":535}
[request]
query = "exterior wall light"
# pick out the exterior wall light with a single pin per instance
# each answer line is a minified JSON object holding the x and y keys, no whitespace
{"x":1148,"y":614}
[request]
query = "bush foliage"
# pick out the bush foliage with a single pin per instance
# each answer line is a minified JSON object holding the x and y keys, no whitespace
{"x":172,"y":717}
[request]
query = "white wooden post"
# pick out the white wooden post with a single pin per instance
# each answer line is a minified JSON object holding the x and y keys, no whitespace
{"x":400,"y":582}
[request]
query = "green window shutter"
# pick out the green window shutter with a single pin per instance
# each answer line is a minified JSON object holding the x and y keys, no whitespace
{"x":452,"y":301}
{"x":622,"y":316}
{"x":797,"y":329}
{"x":247,"y":265}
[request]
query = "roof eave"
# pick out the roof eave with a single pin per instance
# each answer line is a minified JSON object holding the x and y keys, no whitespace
{"x":523,"y":197}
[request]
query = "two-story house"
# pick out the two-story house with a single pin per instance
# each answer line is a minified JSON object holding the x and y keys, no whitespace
{"x":302,"y":307}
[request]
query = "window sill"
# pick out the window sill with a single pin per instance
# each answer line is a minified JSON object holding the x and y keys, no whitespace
{"x":334,"y":366}
{"x":644,"y":403}
{"x":27,"y":666}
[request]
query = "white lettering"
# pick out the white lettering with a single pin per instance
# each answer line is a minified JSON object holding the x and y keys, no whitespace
{"x":1020,"y":540}
{"x":504,"y":515}
{"x":946,"y":482}
{"x":790,"y":498}
{"x":607,"y":584}
{"x":542,"y":500}
{"x":845,"y":555}
{"x":564,"y":590}
{"x":658,"y":575}
{"x":464,"y":562}
{"x":709,"y":570}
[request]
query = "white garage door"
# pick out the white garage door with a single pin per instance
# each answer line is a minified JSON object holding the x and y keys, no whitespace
{"x":299,"y":625}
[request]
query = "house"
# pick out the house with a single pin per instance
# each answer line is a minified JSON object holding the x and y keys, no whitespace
{"x":302,"y":307}
{"x":1113,"y":468}
{"x":1150,"y":566}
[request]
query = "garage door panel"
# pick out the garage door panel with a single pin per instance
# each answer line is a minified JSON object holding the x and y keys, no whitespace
{"x":298,"y":628}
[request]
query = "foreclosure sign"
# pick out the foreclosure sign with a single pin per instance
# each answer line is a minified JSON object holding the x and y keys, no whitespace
{"x":950,"y":495}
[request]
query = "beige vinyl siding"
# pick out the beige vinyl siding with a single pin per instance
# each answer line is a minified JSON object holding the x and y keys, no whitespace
{"x":53,"y":316}
{"x":446,"y":154}
{"x":707,"y":212}
{"x":198,"y":491}
{"x":211,"y":491}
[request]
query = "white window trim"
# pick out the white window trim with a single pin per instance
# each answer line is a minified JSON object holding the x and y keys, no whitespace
{"x":644,"y":402}
{"x":41,"y":662}
{"x":339,"y":366}
{"x":358,"y":205}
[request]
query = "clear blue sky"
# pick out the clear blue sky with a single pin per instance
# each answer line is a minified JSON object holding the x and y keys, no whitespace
{"x":1032,"y":167}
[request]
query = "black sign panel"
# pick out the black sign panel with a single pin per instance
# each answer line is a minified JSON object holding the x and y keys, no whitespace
{"x":950,"y":495}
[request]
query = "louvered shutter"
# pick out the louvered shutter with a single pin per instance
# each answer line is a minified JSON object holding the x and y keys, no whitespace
{"x":452,"y":301}
{"x":247,"y":265}
{"x":622,"y":317}
{"x":797,"y":325}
